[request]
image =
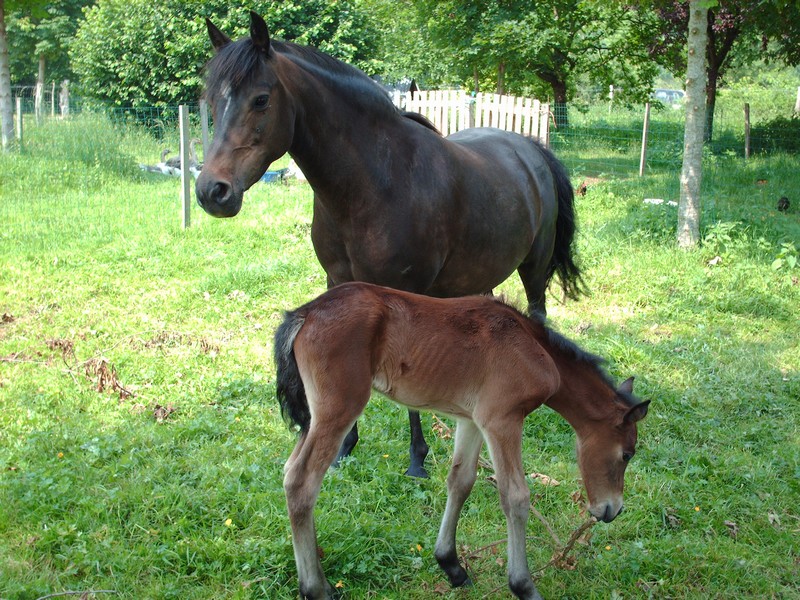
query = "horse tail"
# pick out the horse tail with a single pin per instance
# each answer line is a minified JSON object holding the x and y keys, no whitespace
{"x":563,"y":261}
{"x":289,"y":385}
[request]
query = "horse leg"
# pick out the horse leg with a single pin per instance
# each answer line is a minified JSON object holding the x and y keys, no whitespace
{"x":303,"y":473}
{"x":459,"y":484}
{"x":504,"y":438}
{"x":533,"y":273}
{"x":418,"y":449}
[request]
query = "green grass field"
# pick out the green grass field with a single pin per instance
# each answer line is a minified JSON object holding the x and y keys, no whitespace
{"x":141,"y":448}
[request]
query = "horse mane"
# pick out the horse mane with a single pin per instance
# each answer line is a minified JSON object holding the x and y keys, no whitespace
{"x":566,"y":347}
{"x":418,"y":118}
{"x":237,"y":63}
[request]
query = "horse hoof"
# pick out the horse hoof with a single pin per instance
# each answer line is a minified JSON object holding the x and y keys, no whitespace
{"x":420,"y":472}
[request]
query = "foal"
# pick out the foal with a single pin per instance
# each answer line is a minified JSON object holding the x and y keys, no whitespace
{"x":474,"y":358}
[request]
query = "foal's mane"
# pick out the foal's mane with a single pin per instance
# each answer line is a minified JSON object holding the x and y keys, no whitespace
{"x":237,"y":63}
{"x":566,"y":347}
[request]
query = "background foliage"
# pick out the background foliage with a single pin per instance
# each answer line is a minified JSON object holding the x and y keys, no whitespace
{"x":151,"y":53}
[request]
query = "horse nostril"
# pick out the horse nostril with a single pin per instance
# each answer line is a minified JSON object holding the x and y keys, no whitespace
{"x":221,"y":192}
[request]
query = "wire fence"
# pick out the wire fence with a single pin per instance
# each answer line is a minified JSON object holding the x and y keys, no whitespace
{"x":94,"y":147}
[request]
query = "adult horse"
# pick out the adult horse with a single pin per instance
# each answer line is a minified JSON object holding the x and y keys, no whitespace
{"x":395,"y":203}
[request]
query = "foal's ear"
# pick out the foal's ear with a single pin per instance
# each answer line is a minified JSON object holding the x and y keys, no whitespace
{"x":259,"y":32}
{"x":626,"y":387}
{"x":637,"y":413}
{"x":218,"y":39}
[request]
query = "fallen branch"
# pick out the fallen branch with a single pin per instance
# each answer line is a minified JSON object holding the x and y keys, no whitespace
{"x":84,"y":594}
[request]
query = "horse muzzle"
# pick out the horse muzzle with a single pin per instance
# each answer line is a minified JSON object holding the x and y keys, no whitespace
{"x":217,"y":197}
{"x":606,"y":512}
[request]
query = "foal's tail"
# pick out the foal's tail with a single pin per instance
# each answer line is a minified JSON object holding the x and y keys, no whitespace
{"x":563,"y":261}
{"x":290,"y":390}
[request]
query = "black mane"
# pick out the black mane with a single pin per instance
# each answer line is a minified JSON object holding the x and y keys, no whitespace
{"x":568,"y":348}
{"x":237,"y":64}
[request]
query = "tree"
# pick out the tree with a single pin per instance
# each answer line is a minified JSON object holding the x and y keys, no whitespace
{"x":553,"y":41}
{"x":691,"y":174}
{"x":737,"y":31}
{"x":151,"y":52}
{"x":41,"y":33}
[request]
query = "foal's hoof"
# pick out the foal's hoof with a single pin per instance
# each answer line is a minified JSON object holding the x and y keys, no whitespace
{"x":414,"y":471}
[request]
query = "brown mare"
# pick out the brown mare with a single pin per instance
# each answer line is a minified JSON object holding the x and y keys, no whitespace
{"x":474,"y":358}
{"x":395,"y":203}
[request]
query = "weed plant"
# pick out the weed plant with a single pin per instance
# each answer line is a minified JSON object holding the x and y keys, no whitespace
{"x":141,"y":446}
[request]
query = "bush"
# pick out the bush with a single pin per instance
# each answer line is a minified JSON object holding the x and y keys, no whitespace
{"x":780,"y":134}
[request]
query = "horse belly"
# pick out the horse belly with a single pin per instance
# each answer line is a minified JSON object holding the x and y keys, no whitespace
{"x":412,"y":392}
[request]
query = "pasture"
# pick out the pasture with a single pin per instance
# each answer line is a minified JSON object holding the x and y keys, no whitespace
{"x":141,"y":445}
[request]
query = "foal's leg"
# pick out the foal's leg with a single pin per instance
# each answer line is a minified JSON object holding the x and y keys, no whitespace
{"x":459,"y":484}
{"x":331,"y":418}
{"x":504,"y":438}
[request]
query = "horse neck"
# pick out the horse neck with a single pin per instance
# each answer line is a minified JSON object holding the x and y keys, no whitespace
{"x":341,"y":124}
{"x":584,"y":397}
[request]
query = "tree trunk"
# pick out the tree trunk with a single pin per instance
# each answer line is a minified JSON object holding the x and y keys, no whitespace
{"x":476,"y":80}
{"x":559,"y":98}
{"x":711,"y":101}
{"x":718,"y":47}
{"x":691,"y":174}
{"x":501,"y":78}
{"x":6,"y":107}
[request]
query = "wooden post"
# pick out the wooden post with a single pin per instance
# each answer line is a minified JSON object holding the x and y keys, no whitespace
{"x":645,"y":132}
{"x":63,"y":98}
{"x":797,"y":102}
{"x":186,"y":176}
{"x":204,"y":126}
{"x":53,"y":100}
{"x":19,"y":120}
{"x":544,"y":125}
{"x":746,"y":130}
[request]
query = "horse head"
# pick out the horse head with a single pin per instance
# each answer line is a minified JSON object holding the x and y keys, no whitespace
{"x":253,"y":117}
{"x":604,"y":450}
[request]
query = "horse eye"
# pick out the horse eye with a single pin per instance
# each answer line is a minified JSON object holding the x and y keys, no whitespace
{"x":261,"y":102}
{"x":627,"y":456}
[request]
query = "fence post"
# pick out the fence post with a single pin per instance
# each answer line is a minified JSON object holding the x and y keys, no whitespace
{"x":645,"y":132}
{"x":53,"y":101}
{"x":204,"y":126}
{"x":544,"y":125}
{"x":186,"y":176}
{"x":797,"y":102}
{"x":63,"y":98}
{"x":19,"y":120}
{"x":746,"y":130}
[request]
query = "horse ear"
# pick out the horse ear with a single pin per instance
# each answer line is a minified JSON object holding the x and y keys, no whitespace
{"x":637,"y":413}
{"x":626,"y":387}
{"x":259,"y":32}
{"x":218,"y":39}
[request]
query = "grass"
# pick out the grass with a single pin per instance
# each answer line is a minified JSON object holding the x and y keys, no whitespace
{"x":141,"y":448}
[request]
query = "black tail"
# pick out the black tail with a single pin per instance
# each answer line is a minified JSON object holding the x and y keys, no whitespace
{"x":563,"y":262}
{"x":290,"y":390}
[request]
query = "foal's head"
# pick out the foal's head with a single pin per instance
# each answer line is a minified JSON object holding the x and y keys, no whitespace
{"x":252,"y":117}
{"x":605,"y":447}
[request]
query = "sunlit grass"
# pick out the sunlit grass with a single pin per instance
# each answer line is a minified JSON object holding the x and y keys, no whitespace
{"x":161,"y":477}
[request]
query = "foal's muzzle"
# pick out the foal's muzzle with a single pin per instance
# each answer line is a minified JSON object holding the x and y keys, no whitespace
{"x":609,"y":513}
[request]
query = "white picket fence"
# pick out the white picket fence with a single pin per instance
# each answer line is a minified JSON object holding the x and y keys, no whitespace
{"x":454,"y":110}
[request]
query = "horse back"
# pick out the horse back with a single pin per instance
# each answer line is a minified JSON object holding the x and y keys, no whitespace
{"x":456,"y":355}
